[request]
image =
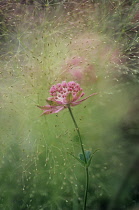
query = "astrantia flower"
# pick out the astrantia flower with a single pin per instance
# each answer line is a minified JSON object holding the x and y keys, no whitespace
{"x":63,"y":94}
{"x":78,"y":69}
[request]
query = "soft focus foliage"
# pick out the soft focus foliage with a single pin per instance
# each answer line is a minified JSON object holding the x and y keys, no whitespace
{"x":94,"y":43}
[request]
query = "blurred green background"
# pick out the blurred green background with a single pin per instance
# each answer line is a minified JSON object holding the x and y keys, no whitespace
{"x":43,"y":43}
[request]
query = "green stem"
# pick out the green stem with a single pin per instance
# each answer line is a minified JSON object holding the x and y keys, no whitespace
{"x":86,"y":167}
{"x":78,"y":131}
{"x":86,"y":189}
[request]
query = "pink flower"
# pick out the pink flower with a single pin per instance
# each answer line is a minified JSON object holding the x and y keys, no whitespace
{"x":78,"y":69}
{"x":63,"y":94}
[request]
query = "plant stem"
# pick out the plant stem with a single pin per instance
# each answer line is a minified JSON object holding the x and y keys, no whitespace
{"x":78,"y":131}
{"x":86,"y":189}
{"x":86,"y":167}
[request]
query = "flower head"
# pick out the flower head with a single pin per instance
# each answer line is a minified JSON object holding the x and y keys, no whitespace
{"x":79,"y":69}
{"x":63,"y":94}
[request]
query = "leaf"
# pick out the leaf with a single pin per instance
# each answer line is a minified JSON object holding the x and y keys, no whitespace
{"x":80,"y":161}
{"x":89,"y":161}
{"x":87,"y":155}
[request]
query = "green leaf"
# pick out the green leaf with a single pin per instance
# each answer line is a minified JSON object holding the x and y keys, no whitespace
{"x":88,"y":156}
{"x":80,"y":161}
{"x":89,"y":161}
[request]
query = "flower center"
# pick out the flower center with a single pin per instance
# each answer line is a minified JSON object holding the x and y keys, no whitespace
{"x":61,"y":90}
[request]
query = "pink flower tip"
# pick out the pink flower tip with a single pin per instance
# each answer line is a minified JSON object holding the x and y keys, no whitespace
{"x":63,"y":94}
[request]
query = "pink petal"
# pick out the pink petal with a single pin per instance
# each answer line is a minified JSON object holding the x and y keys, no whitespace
{"x":54,"y":100}
{"x":78,"y":102}
{"x":51,"y":109}
{"x":45,"y":107}
{"x":77,"y":96}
